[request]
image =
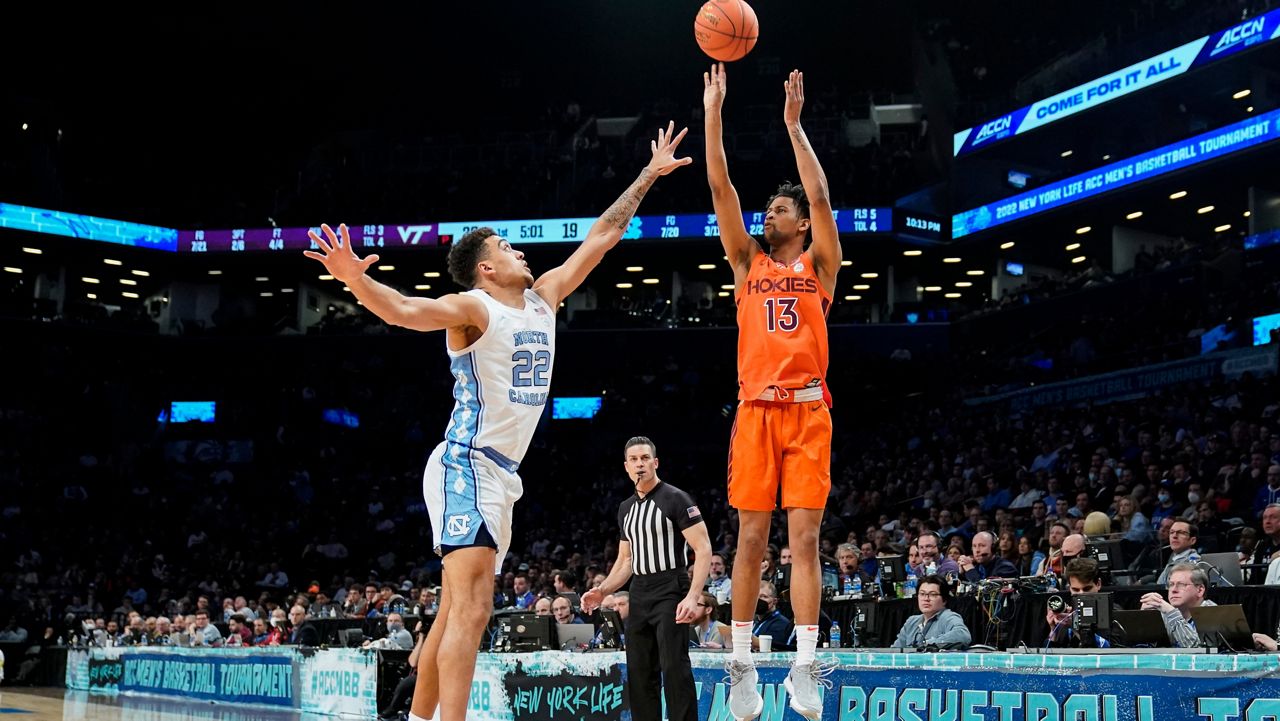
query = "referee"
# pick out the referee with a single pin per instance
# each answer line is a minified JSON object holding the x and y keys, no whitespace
{"x":659,"y":524}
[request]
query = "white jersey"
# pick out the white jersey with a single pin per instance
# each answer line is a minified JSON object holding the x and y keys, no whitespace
{"x":501,"y":380}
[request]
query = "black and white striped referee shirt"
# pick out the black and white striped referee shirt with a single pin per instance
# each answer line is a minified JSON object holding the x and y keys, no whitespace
{"x":655,"y":525}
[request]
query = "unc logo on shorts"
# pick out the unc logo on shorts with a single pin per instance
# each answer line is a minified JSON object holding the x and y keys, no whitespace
{"x":458,"y":525}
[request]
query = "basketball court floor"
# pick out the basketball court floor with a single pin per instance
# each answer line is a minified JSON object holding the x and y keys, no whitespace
{"x":56,"y":704}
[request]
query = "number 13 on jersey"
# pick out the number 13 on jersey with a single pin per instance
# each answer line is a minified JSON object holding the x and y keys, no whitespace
{"x":780,"y":314}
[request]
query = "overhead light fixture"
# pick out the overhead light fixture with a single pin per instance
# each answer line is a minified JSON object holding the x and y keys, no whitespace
{"x":112,"y":261}
{"x":1007,"y":245}
{"x":286,"y":290}
{"x":846,"y":263}
{"x":1178,"y":195}
{"x":635,"y":268}
{"x":127,"y":294}
{"x":1205,"y":209}
{"x":1222,"y":228}
{"x":650,"y":281}
{"x":33,"y":251}
{"x":1247,"y":213}
{"x":862,"y":286}
{"x":953,"y":295}
{"x":11,"y":269}
{"x":90,"y":280}
{"x":1134,"y":215}
{"x":853,"y":297}
{"x":1241,"y":94}
{"x":262,"y":279}
{"x":1083,"y":230}
{"x":932,"y":288}
{"x":215,"y":272}
{"x":346,"y":289}
{"x":707,"y":266}
{"x":1106,"y":157}
{"x":975,"y":272}
{"x":726,"y":286}
{"x":963,"y":284}
{"x":1066,"y":153}
{"x":24,"y":126}
{"x":723,"y":294}
{"x":1078,"y":259}
{"x":266,"y":294}
{"x":386,"y":267}
{"x":1073,"y":246}
{"x":912,"y":253}
{"x":91,"y":296}
{"x":128,"y":281}
{"x":422,"y":286}
{"x":1249,"y":109}
{"x":624,"y":286}
{"x":950,"y":260}
{"x":431,"y":274}
{"x":326,"y":276}
{"x":141,"y":273}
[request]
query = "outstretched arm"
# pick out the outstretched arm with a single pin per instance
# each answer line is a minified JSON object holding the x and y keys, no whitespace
{"x":739,"y":246}
{"x":825,"y":248}
{"x":425,"y":314}
{"x":556,"y":284}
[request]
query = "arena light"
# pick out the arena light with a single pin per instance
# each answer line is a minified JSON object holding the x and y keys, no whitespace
{"x":870,"y":275}
{"x":1083,"y":230}
{"x":912,"y":253}
{"x":128,"y":281}
{"x":431,"y":274}
{"x":386,"y":267}
{"x":950,"y":260}
{"x":650,"y":281}
{"x":1106,"y":157}
{"x":853,"y":297}
{"x":862,"y":286}
{"x":963,"y":284}
{"x":11,"y":269}
{"x":87,"y":279}
{"x":1178,"y":195}
{"x":1073,"y":246}
{"x":1222,"y":228}
{"x":975,"y":272}
{"x":623,"y":286}
{"x":1067,"y":153}
{"x":262,"y":279}
{"x":286,"y":290}
{"x":846,"y":263}
{"x":952,"y":295}
{"x":346,"y":289}
{"x":1249,"y":109}
{"x":635,"y":268}
{"x":932,"y":288}
{"x":1007,"y":245}
{"x":91,"y":296}
{"x":127,"y":294}
{"x":215,"y":272}
{"x":723,"y":294}
{"x":707,"y":266}
{"x":1134,"y":215}
{"x":33,"y":251}
{"x":1078,"y":259}
{"x":1205,"y":209}
{"x":112,"y":261}
{"x":24,"y":126}
{"x":422,"y":286}
{"x":326,"y":276}
{"x":1247,"y":213}
{"x":727,"y":286}
{"x":266,"y":294}
{"x":141,"y":273}
{"x":1242,"y":94}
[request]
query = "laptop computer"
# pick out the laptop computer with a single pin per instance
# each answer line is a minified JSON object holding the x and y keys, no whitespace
{"x":1136,"y":629}
{"x":572,"y":636}
{"x":1223,"y":625}
{"x":1228,"y":568}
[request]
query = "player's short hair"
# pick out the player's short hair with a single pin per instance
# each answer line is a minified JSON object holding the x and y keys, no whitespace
{"x":640,"y":441}
{"x":795,"y":191}
{"x":465,"y":253}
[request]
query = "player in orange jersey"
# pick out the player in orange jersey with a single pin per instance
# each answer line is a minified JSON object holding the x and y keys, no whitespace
{"x":781,"y":438}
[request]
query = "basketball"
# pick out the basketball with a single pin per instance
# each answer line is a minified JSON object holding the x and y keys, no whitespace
{"x":726,"y":29}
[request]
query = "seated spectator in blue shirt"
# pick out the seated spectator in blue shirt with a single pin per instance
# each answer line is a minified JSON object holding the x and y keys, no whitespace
{"x":770,"y":621}
{"x":1133,"y":524}
{"x":935,"y":625}
{"x":996,"y":497}
{"x":1269,"y":493}
{"x":1164,"y":508}
{"x":524,"y":595}
{"x":563,"y":611}
{"x":984,"y":563}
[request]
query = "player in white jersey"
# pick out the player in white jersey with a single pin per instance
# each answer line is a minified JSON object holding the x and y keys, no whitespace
{"x":500,"y":336}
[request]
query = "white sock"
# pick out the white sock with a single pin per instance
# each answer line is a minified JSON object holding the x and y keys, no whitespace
{"x":806,"y":644}
{"x":415,"y":717}
{"x":742,"y":642}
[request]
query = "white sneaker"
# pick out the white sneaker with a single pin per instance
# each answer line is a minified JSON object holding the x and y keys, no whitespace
{"x":802,"y":688}
{"x":745,"y":701}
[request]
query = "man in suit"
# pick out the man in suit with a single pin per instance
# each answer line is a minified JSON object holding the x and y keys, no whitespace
{"x":304,"y":632}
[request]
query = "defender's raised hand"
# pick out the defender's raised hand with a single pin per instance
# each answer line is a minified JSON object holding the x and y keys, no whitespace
{"x":794,"y":85}
{"x":338,"y":257}
{"x":664,"y":150}
{"x":714,"y":87}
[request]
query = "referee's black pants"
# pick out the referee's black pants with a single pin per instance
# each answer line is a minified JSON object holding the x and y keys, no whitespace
{"x":658,"y":649}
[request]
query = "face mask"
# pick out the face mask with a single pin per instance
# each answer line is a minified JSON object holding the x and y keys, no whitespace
{"x":393,"y":627}
{"x":1164,"y":497}
{"x":1193,"y":497}
{"x":762,"y":608}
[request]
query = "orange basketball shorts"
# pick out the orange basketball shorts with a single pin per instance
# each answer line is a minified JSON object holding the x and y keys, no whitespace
{"x":780,"y":446}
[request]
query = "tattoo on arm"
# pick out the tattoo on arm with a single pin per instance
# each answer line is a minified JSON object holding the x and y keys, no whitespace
{"x":798,"y":134}
{"x":620,"y":213}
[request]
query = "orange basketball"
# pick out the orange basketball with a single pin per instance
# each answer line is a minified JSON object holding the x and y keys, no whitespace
{"x":726,"y":29}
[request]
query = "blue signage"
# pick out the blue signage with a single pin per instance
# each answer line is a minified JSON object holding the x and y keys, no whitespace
{"x":1138,"y":76}
{"x":72,"y":225}
{"x":1183,"y":154}
{"x":211,"y":677}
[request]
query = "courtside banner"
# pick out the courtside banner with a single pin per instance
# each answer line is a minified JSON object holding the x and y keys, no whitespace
{"x":1139,"y":76}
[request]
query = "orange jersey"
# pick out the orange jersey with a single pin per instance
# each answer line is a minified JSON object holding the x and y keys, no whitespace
{"x":782,"y":327}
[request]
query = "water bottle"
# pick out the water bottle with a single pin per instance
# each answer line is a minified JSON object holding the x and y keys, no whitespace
{"x":846,"y":588}
{"x":909,"y":588}
{"x":855,"y":586}
{"x":931,"y":569}
{"x":1051,"y":580}
{"x":835,"y":635}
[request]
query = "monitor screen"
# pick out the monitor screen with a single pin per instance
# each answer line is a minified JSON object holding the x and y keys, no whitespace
{"x":581,"y":407}
{"x":1018,"y":180}
{"x":1214,"y":337}
{"x":1262,"y":327}
{"x":1014,"y":268}
{"x":191,"y":412}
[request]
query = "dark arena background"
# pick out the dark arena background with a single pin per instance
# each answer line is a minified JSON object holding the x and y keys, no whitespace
{"x":1053,"y":338}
